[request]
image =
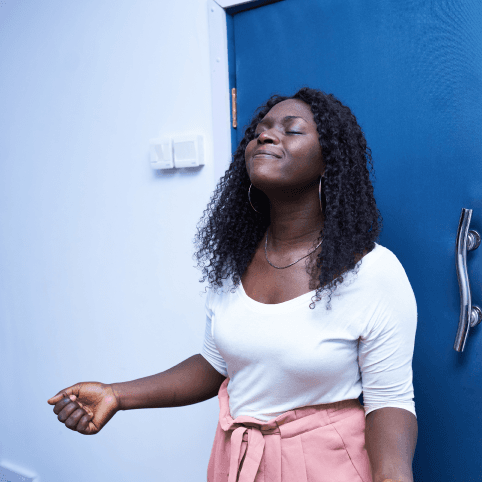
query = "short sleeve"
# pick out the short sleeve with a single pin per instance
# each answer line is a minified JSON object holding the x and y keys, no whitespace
{"x":385,"y":349}
{"x":209,"y":350}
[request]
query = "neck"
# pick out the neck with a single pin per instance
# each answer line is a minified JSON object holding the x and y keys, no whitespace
{"x":292,"y":229}
{"x":296,"y":218}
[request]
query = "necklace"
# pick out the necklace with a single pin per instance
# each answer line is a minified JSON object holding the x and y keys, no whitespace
{"x":283,"y":267}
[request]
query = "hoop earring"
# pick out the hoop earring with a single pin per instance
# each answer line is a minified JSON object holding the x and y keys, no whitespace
{"x":249,"y":195}
{"x":319,"y":192}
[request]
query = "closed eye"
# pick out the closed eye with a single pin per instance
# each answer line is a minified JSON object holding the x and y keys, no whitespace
{"x":287,"y":132}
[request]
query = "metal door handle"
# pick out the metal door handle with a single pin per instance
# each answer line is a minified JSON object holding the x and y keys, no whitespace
{"x":470,"y":316}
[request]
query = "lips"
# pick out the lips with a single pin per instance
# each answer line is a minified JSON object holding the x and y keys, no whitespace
{"x":265,"y":152}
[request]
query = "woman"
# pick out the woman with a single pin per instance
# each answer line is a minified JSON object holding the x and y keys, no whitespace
{"x":287,"y":375}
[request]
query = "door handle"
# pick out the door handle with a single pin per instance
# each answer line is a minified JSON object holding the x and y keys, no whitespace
{"x":470,"y":316}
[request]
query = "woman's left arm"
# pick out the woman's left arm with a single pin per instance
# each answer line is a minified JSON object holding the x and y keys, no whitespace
{"x":391,"y":437}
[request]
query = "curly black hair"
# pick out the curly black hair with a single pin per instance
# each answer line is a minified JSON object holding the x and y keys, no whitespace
{"x":231,"y":230}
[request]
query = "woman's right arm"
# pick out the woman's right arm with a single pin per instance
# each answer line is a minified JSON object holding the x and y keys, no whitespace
{"x":192,"y":381}
{"x":86,"y":407}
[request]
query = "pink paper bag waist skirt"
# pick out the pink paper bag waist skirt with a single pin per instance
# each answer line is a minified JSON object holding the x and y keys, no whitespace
{"x":319,"y":443}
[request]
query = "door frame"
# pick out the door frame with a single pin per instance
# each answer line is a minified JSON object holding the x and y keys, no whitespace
{"x":218,"y":12}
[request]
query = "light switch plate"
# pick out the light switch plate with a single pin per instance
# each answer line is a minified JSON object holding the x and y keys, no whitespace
{"x":188,"y":151}
{"x":160,"y":152}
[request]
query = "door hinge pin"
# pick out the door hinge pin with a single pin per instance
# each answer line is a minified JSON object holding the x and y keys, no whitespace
{"x":234,"y":108}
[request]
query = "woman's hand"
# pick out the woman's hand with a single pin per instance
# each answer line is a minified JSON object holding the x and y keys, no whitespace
{"x":85,"y":407}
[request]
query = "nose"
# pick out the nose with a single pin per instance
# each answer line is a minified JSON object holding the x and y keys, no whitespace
{"x":268,"y":136}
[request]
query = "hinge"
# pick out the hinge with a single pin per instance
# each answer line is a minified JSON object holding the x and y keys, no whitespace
{"x":234,"y":108}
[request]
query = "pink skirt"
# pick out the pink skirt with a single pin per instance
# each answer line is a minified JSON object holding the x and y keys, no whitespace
{"x":318,"y":443}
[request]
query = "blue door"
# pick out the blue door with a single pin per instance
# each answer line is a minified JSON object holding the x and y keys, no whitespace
{"x":412,"y":74}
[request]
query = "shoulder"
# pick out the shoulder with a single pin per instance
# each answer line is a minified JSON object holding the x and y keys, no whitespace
{"x":216,"y":295}
{"x":360,"y":256}
{"x":392,"y":300}
{"x":388,"y":279}
{"x":379,"y":256}
{"x":383,"y":269}
{"x":387,"y":261}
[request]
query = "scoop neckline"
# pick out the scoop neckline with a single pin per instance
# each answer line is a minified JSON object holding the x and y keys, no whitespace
{"x":273,"y":307}
{"x":285,"y":305}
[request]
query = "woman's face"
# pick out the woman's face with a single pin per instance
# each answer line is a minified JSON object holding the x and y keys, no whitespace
{"x":286,"y":151}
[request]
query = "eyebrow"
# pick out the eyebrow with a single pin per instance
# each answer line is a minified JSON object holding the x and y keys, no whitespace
{"x":288,"y":117}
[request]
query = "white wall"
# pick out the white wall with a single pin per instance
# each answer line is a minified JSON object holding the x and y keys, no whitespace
{"x":97,"y":278}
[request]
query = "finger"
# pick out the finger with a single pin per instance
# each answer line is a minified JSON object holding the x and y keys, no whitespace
{"x":62,"y":394}
{"x":67,"y":411}
{"x":60,"y":405}
{"x":74,"y":418}
{"x":84,"y":424}
{"x":72,"y":392}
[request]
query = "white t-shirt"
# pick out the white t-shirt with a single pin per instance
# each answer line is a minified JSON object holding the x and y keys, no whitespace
{"x":284,"y":356}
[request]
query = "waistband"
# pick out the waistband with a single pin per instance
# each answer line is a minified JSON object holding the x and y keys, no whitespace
{"x":265,"y":437}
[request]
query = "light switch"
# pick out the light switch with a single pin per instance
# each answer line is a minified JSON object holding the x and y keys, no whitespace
{"x":188,"y":151}
{"x":160,"y":150}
